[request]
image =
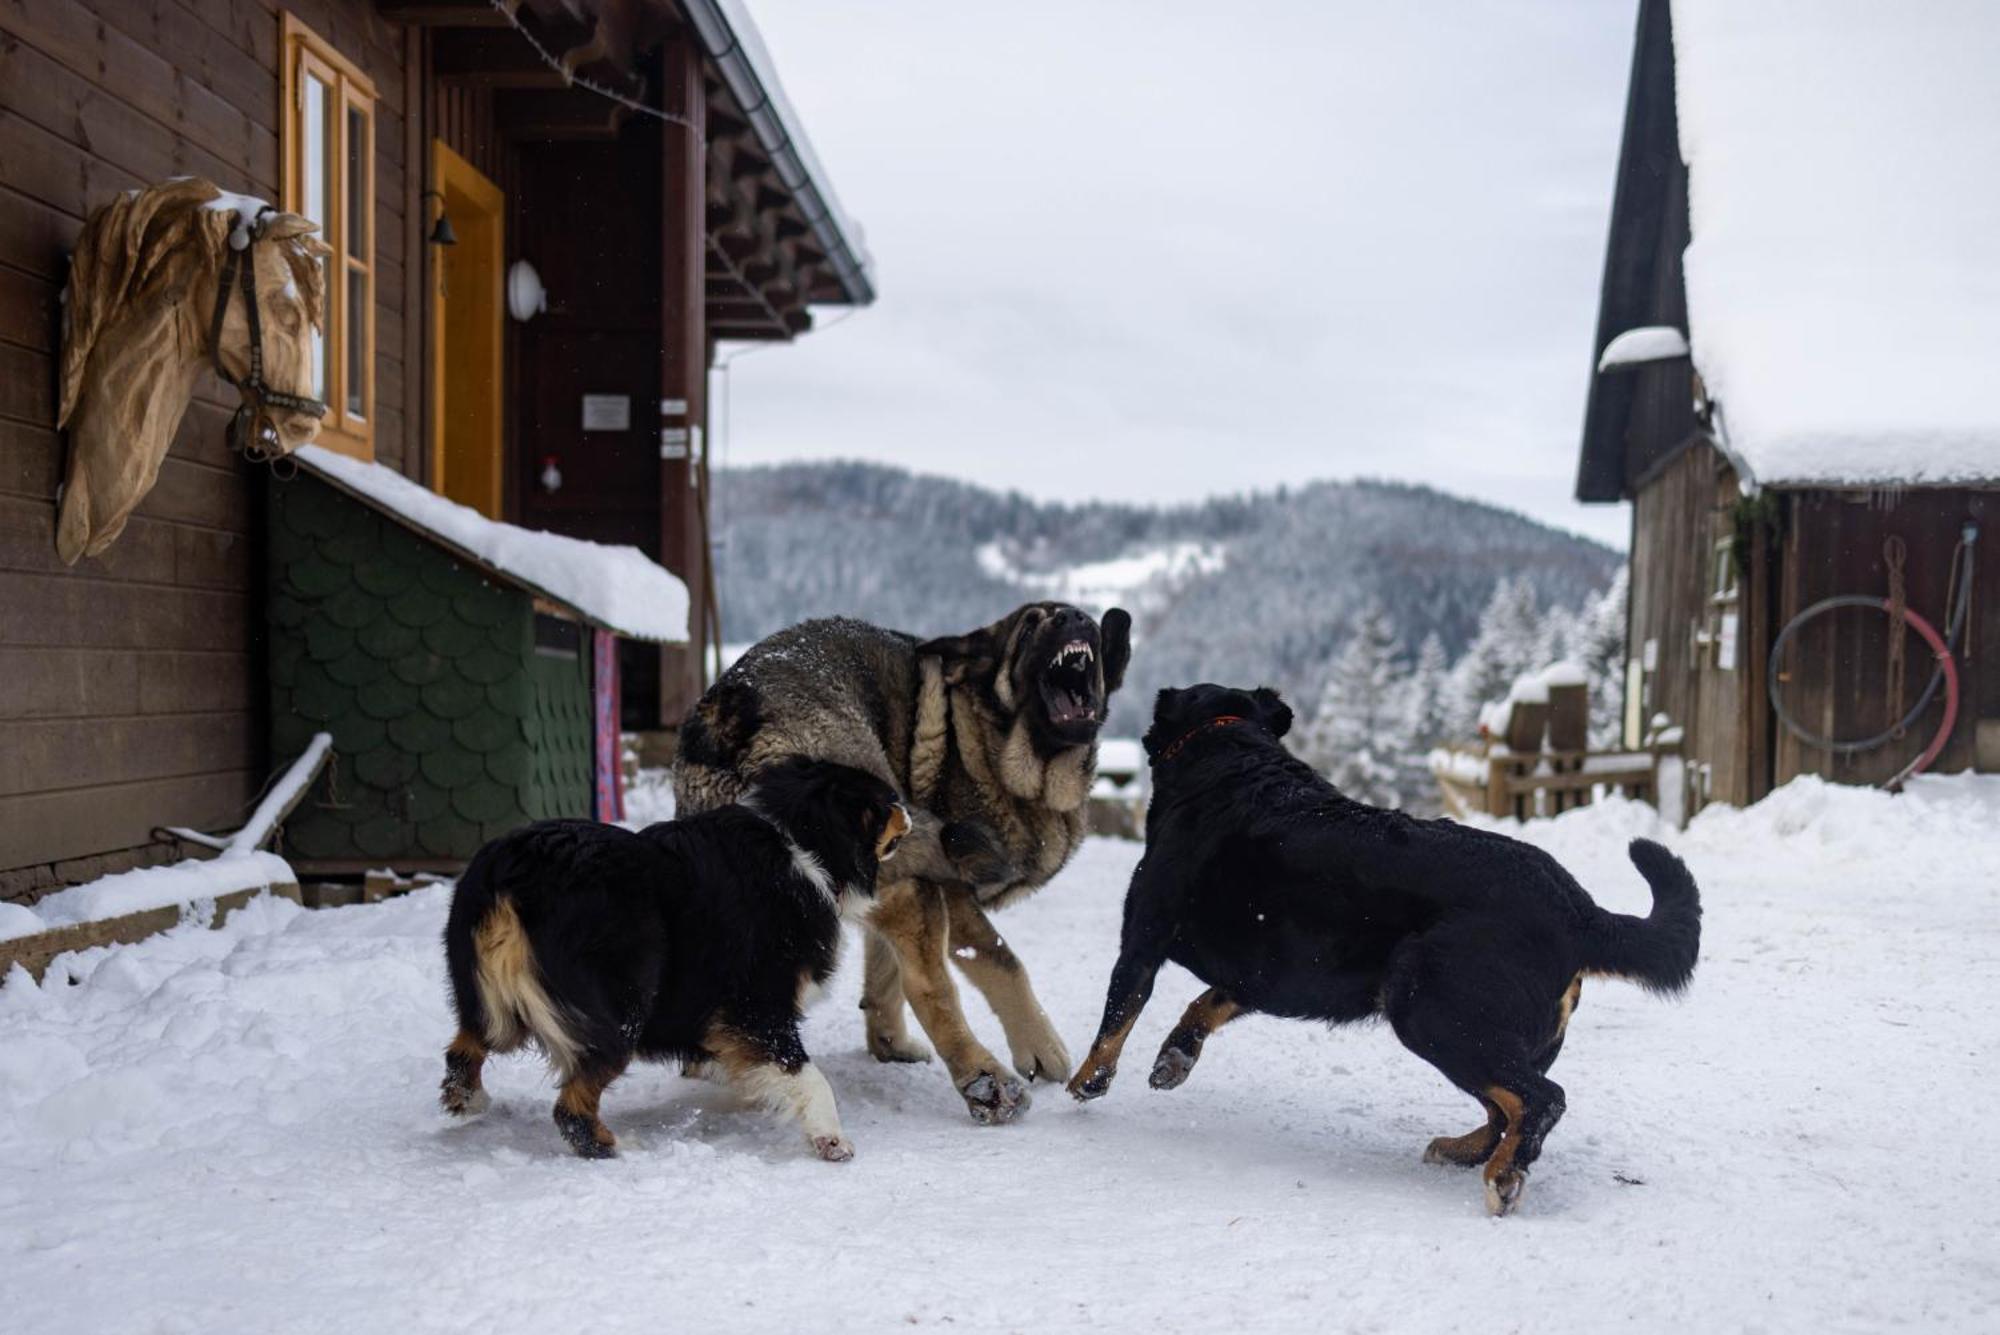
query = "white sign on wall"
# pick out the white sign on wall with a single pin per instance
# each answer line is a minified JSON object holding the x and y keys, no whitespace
{"x":1725,"y":643}
{"x":607,"y":412}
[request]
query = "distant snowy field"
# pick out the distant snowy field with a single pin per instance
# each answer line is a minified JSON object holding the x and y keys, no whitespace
{"x":236,"y":1131}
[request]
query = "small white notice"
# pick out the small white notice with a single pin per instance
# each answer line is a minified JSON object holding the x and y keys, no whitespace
{"x":673,"y":407}
{"x":1725,"y":643}
{"x":607,"y":412}
{"x":673,"y":442}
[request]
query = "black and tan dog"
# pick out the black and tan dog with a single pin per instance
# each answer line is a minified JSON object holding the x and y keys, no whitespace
{"x":697,"y":940}
{"x":993,"y":737}
{"x":1287,"y":898}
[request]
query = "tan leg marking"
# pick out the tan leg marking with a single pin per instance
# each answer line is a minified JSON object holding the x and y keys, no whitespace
{"x":1101,"y":1062}
{"x":462,"y":1093}
{"x":576,"y":1113}
{"x":1471,"y":1149}
{"x":991,"y":966}
{"x":1503,"y":1180}
{"x":1567,"y":1006}
{"x":1182,"y":1048}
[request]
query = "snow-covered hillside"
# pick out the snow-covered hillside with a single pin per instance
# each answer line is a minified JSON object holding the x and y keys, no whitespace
{"x":235,"y":1131}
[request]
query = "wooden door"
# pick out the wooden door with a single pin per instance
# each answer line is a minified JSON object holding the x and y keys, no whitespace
{"x":466,"y":315}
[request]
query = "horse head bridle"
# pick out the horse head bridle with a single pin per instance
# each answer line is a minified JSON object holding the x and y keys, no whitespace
{"x":245,"y":428}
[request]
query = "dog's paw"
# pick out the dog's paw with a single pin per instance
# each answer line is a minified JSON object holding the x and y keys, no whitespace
{"x":1092,"y":1082}
{"x":833,"y":1149}
{"x":888,"y":1047}
{"x":1043,"y":1058}
{"x":1170,"y":1069}
{"x":993,"y":1097}
{"x":460,"y":1102}
{"x":1503,"y":1191}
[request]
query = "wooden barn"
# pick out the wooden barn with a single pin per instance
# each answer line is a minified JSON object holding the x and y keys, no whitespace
{"x":544,"y":216}
{"x":1796,"y":389}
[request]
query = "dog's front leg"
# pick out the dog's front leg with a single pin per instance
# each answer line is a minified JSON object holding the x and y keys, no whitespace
{"x":911,"y":916}
{"x":984,"y":958}
{"x":882,"y":1019}
{"x":1131,"y":987}
{"x":766,"y":1063}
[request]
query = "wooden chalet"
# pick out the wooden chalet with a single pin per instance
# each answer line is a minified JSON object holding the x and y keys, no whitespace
{"x":545,"y":215}
{"x":1794,"y":387}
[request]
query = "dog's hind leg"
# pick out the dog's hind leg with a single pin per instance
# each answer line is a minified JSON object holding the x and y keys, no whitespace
{"x":882,"y":1013}
{"x":462,"y":1093}
{"x":992,"y":967}
{"x":576,"y":1106}
{"x":1205,"y":1014}
{"x":1473,"y":1148}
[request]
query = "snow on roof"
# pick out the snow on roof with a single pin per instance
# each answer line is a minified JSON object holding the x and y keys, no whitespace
{"x":1120,"y":755}
{"x":1648,"y":343}
{"x":620,"y":588}
{"x":1843,"y":280}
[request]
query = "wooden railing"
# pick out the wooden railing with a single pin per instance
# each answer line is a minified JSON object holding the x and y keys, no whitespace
{"x":1494,"y":780}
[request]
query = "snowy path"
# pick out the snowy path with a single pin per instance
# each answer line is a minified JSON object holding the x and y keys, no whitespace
{"x":235,"y":1131}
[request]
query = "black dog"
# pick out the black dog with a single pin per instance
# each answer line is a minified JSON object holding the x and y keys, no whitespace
{"x":697,"y":940}
{"x":1288,"y":898}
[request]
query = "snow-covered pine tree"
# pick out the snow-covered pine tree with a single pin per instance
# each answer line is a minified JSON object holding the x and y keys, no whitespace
{"x":1359,"y":735}
{"x":1599,"y":644}
{"x":1504,"y":648}
{"x":1426,"y":721}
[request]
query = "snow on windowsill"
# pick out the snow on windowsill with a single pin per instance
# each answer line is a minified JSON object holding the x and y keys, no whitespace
{"x":617,"y":586}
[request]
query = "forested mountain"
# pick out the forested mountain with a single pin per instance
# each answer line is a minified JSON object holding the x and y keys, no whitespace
{"x":1262,"y":588}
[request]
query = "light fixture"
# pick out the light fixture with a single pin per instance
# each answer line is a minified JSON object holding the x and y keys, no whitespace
{"x":441,"y":233}
{"x":526,"y":297}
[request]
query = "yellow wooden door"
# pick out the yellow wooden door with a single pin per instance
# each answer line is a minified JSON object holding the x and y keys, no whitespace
{"x":466,"y":362}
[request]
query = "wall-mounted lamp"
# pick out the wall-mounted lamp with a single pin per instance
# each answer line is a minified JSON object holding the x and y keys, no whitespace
{"x":526,"y":297}
{"x":441,"y":233}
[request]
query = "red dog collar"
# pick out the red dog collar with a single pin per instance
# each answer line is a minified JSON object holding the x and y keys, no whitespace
{"x":1219,"y":721}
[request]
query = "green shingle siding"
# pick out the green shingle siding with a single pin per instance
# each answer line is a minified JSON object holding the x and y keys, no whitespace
{"x":448,"y":728}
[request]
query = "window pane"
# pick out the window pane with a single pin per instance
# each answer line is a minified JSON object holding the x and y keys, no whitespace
{"x":357,"y":341}
{"x":315,"y":164}
{"x":357,"y":183}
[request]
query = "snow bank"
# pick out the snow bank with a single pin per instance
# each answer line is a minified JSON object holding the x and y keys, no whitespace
{"x":237,"y":1131}
{"x":1648,"y":343}
{"x":153,"y":888}
{"x":1843,"y":281}
{"x":619,"y":586}
{"x":1121,"y":755}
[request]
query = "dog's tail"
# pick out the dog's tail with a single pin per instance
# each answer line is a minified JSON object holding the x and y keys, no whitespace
{"x":496,"y":985}
{"x":1657,"y":951}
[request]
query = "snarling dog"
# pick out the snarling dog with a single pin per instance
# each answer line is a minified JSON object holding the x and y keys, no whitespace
{"x":696,"y":940}
{"x":993,"y":738}
{"x":1287,"y":898}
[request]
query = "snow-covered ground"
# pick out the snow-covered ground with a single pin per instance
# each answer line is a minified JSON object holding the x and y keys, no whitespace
{"x":235,"y":1131}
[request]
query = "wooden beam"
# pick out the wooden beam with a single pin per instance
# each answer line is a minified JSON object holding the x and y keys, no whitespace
{"x":442,"y":13}
{"x":491,"y":58}
{"x":545,"y":115}
{"x":684,"y":346}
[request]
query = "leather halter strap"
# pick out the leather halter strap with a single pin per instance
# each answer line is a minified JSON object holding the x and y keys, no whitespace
{"x":240,"y":271}
{"x":1219,"y":721}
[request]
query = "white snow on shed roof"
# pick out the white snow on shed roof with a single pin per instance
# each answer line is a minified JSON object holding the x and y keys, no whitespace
{"x":619,"y":587}
{"x":1843,"y":280}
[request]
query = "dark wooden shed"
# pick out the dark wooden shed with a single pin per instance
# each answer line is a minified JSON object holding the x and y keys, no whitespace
{"x":1755,"y":398}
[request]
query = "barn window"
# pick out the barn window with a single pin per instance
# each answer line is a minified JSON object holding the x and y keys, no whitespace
{"x":328,"y":148}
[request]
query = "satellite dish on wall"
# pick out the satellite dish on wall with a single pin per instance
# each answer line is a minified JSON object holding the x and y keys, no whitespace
{"x":526,"y":297}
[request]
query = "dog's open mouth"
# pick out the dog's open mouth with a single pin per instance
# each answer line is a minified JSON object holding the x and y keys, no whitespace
{"x":1069,"y":685}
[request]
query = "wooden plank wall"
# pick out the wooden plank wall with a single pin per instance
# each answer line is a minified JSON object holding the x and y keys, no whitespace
{"x":130,"y":685}
{"x":1833,"y":545}
{"x":1669,"y":590}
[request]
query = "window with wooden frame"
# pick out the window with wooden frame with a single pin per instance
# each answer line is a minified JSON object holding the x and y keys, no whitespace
{"x":328,"y":151}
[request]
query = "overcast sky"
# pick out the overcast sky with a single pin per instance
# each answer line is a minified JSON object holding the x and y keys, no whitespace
{"x":1156,"y":251}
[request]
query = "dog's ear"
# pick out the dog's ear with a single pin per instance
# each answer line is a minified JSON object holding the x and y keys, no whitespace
{"x":966,"y":657}
{"x":1115,"y":634}
{"x":1273,"y":714}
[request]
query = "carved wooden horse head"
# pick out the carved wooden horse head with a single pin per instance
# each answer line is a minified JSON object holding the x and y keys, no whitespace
{"x":164,"y":282}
